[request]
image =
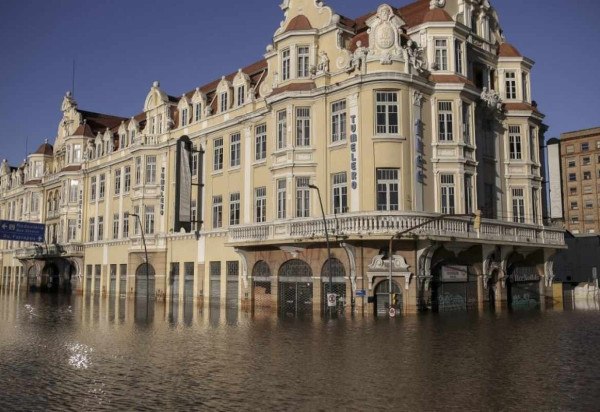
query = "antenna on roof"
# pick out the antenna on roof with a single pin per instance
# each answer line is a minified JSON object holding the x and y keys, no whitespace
{"x":73,"y":80}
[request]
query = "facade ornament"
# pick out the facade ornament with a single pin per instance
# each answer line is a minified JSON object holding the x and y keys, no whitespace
{"x":436,"y":3}
{"x":416,"y":56}
{"x":359,"y":58}
{"x":323,"y":66}
{"x":418,"y":98}
{"x":385,"y":29}
{"x":492,"y":99}
{"x":379,"y":267}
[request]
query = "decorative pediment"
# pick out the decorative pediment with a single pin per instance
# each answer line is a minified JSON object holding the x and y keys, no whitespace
{"x":241,"y":78}
{"x":224,"y":86}
{"x":132,"y":125}
{"x":155,"y":98}
{"x":380,"y":267}
{"x":315,"y":11}
{"x":385,"y":30}
{"x":199,"y":97}
{"x":184,"y":103}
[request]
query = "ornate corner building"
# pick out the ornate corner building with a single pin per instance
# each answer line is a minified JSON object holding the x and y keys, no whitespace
{"x":396,"y":121}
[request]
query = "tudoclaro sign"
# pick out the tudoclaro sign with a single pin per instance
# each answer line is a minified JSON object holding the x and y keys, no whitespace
{"x":22,"y":231}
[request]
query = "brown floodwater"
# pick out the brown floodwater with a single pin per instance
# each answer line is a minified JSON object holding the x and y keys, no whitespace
{"x":77,"y":353}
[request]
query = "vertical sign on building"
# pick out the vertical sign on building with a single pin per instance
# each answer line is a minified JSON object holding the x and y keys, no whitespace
{"x":183,"y":185}
{"x":419,"y":152}
{"x":354,"y":153}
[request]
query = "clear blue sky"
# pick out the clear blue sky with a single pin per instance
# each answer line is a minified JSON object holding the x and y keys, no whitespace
{"x":121,"y":46}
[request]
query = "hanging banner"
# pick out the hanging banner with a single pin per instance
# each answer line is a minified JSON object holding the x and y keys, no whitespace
{"x":183,"y":185}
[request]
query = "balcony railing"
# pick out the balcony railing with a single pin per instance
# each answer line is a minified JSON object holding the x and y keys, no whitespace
{"x":53,"y":250}
{"x":389,"y":223}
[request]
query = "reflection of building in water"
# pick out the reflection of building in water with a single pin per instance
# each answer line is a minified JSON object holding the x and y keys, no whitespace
{"x":398,"y":117}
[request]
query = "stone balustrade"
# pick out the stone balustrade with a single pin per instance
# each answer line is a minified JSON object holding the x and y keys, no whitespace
{"x":388,"y":224}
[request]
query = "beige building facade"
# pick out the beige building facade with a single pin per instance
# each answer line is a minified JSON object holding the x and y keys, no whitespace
{"x":394,"y":120}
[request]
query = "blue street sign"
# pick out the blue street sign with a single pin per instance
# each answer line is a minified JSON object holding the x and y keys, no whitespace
{"x":22,"y":231}
{"x":361,"y":293}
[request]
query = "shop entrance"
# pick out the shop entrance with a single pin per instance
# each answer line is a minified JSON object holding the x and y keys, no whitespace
{"x":382,"y":298}
{"x":295,"y":288}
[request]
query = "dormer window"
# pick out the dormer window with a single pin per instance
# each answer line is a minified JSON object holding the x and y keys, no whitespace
{"x":122,"y":140}
{"x":458,"y":50}
{"x":198,"y":111}
{"x":223,"y":100}
{"x":303,"y":61}
{"x":184,"y":117}
{"x":152,"y":125}
{"x":524,"y":85}
{"x":285,"y":64}
{"x":159,"y":120}
{"x":131,"y":136}
{"x":241,"y":95}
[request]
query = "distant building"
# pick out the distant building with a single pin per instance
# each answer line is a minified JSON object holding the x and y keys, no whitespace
{"x":401,"y":117}
{"x":574,"y":163}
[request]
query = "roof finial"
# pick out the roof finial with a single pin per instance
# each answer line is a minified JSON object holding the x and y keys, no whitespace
{"x":436,"y":3}
{"x":156,"y":84}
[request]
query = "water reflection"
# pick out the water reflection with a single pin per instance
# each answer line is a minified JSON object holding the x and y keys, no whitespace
{"x":91,"y":353}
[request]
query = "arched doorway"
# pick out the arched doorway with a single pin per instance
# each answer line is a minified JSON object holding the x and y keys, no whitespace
{"x":523,"y":286}
{"x":295,"y":288}
{"x":382,"y":298}
{"x":261,"y":285}
{"x":144,"y":281}
{"x":491,"y":287}
{"x":51,"y":277}
{"x":338,"y":283}
{"x":454,"y":287}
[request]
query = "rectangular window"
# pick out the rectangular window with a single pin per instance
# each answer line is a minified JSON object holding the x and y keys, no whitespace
{"x":131,"y":136}
{"x":458,"y":49}
{"x":100,"y":227}
{"x":241,"y":95}
{"x":441,"y":54}
{"x":524,"y":86}
{"x":387,"y":189}
{"x":303,"y":126}
{"x":466,"y":119}
{"x":534,"y":204}
{"x":149,"y":220}
{"x":93,"y":188}
{"x":447,"y":194}
{"x":217,"y":209}
{"x":285,"y":65}
{"x":589,"y":204}
{"x":126,"y":225}
{"x":116,"y":224}
{"x":302,"y":197}
{"x":77,"y":153}
{"x":468,"y":194}
{"x":195,"y":159}
{"x":445,"y":121}
{"x":184,"y":117}
{"x":150,"y":169}
{"x":571,"y":163}
{"x":570,"y":149}
{"x":71,"y":229}
{"x":572,"y":191}
{"x":303,"y":61}
{"x":235,"y":149}
{"x":387,"y":112}
{"x":338,"y":121}
{"x":518,"y":201}
{"x":281,"y":129}
{"x":586,"y":161}
{"x":117,"y":186}
{"x":281,"y":198}
{"x":260,"y":147}
{"x":138,"y":170}
{"x":260,"y":204}
{"x":224,"y":103}
{"x":587,"y":175}
{"x":127,"y":179}
{"x":92,"y":229}
{"x":511,"y":85}
{"x":574,"y":206}
{"x":572,"y":177}
{"x":194,"y":212}
{"x":585,"y":147}
{"x":136,"y":221}
{"x":340,"y":193}
{"x":102,"y":186}
{"x":198,"y":111}
{"x":73,"y":191}
{"x":514,"y":138}
{"x":218,"y":154}
{"x":234,"y":209}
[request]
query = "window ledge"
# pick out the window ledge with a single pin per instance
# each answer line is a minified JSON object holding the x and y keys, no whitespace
{"x":338,"y":145}
{"x":262,"y":162}
{"x":388,"y":137}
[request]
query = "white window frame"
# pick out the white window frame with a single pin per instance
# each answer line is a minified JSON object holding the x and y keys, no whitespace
{"x":515,"y":146}
{"x":518,"y":204}
{"x":260,"y":204}
{"x":387,"y":120}
{"x":149,"y":220}
{"x":234,"y":209}
{"x":445,"y":121}
{"x":281,"y":198}
{"x":303,"y":61}
{"x":281,"y":129}
{"x":338,"y":121}
{"x":339,"y":190}
{"x":303,"y":126}
{"x":260,"y":145}
{"x":286,"y":62}
{"x":217,"y":212}
{"x":447,"y":194}
{"x":388,"y":184}
{"x":302,"y":196}
{"x":235,"y":150}
{"x":150,"y":170}
{"x":441,"y":54}
{"x":218,"y":154}
{"x":510,"y":81}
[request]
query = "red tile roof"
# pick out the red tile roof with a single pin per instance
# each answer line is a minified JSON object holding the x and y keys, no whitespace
{"x":300,"y":22}
{"x":449,"y":78}
{"x":362,"y":37}
{"x":84,"y":130}
{"x":294,"y":87}
{"x":72,"y":168}
{"x":520,"y":106}
{"x":436,"y":15}
{"x":508,"y":50}
{"x":413,"y":14}
{"x":45,"y":149}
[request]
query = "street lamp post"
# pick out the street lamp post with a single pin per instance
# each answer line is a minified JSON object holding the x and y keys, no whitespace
{"x":139,"y":221}
{"x":311,"y":186}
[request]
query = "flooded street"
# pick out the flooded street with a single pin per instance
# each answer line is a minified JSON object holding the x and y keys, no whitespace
{"x":75,"y":353}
